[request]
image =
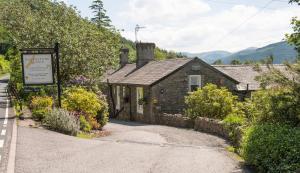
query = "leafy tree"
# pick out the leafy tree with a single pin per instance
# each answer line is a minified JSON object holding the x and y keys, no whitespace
{"x":100,"y":18}
{"x":235,"y":62}
{"x":85,"y":50}
{"x":218,"y":62}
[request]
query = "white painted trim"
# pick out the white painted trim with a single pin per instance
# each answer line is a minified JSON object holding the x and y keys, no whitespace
{"x":139,"y":95}
{"x":118,"y":104}
{"x":199,"y":81}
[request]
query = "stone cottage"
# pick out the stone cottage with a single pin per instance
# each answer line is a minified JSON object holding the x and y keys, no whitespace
{"x":147,"y":88}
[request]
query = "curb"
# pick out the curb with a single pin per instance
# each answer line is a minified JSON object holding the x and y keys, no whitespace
{"x":12,"y":150}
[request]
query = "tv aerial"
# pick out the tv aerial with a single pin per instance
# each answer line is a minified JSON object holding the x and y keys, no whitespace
{"x":137,"y":29}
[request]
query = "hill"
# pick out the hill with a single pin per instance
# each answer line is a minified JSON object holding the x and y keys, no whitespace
{"x":209,"y":57}
{"x":281,"y":52}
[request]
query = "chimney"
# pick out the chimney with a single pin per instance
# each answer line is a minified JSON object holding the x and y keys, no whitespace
{"x":144,"y":53}
{"x":124,"y":56}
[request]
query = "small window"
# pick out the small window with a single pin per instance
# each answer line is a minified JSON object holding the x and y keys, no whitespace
{"x":118,"y":98}
{"x":139,"y":98}
{"x":194,"y":82}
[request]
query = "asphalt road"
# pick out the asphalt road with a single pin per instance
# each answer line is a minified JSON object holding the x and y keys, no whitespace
{"x":6,"y":121}
{"x":131,"y":148}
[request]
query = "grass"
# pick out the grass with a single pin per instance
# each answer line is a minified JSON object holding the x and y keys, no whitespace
{"x":85,"y":135}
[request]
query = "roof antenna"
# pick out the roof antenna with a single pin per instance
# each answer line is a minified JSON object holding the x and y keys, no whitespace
{"x":137,"y":29}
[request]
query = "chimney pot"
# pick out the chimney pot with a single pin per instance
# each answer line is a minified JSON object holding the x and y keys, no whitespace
{"x":144,"y":53}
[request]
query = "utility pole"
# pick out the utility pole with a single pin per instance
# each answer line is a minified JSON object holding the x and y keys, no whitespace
{"x":137,"y":29}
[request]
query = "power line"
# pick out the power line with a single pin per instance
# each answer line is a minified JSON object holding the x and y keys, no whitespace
{"x":245,"y":21}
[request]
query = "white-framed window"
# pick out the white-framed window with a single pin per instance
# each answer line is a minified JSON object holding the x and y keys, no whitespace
{"x":118,"y":105}
{"x":194,"y":82}
{"x":139,"y":97}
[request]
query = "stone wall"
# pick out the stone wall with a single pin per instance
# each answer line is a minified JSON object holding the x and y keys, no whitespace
{"x":207,"y":125}
{"x":175,"y":120}
{"x":211,"y":126}
{"x":171,"y":91}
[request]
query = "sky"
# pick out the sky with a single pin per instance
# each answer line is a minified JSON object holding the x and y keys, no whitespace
{"x":199,"y":25}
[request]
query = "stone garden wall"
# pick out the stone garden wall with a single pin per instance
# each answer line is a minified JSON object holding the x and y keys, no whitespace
{"x":175,"y":120}
{"x":202,"y":124}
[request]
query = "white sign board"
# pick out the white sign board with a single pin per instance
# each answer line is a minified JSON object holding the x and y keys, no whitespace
{"x":37,"y":69}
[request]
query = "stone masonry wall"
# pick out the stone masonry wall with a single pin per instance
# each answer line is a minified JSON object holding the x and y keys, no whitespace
{"x":170,"y":92}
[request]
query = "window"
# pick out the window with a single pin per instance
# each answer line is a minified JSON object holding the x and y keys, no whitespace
{"x":194,"y":82}
{"x":118,"y":98}
{"x":139,"y":98}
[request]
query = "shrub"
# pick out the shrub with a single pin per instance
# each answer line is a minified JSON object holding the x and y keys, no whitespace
{"x":84,"y":125}
{"x":4,"y":65}
{"x":232,"y":123}
{"x":94,"y":108}
{"x":40,"y":106}
{"x":211,"y":102}
{"x":62,"y":121}
{"x":277,"y":105}
{"x":272,"y":148}
{"x":38,"y":102}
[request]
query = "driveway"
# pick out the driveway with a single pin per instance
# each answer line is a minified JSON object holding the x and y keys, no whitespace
{"x":131,"y":148}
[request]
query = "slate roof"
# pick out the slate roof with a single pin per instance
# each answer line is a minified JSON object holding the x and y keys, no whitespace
{"x":148,"y":74}
{"x":246,"y":74}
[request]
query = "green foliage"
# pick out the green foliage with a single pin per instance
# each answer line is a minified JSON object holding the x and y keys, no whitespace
{"x":218,"y":62}
{"x":38,"y":102}
{"x":40,"y":106}
{"x":100,"y":18}
{"x":62,"y":121}
{"x":4,"y":65}
{"x":84,"y":125}
{"x":39,"y":114}
{"x":211,"y":102}
{"x":93,"y":107}
{"x":78,"y":99}
{"x":233,"y":124}
{"x":235,"y":62}
{"x":277,"y":105}
{"x":85,"y":49}
{"x":272,"y":148}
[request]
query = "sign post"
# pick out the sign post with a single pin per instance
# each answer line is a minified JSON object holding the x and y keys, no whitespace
{"x":56,"y":49}
{"x":38,"y":67}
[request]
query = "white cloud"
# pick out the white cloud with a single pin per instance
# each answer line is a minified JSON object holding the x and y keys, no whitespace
{"x":193,"y":26}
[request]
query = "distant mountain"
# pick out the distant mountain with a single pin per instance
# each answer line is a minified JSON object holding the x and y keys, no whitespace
{"x":209,"y":57}
{"x":281,"y":52}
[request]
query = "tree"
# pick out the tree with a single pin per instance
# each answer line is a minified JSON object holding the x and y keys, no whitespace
{"x":85,"y":50}
{"x":294,"y":38}
{"x":218,"y":62}
{"x":235,"y":62}
{"x":100,"y":18}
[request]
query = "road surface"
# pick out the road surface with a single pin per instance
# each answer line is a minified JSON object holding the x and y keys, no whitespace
{"x":131,"y":148}
{"x":6,"y":121}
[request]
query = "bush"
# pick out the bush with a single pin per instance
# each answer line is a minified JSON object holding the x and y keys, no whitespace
{"x":84,"y":125}
{"x":211,"y":102}
{"x":40,"y":106}
{"x":88,"y":104}
{"x":4,"y":65}
{"x":272,"y":148}
{"x":277,"y":105}
{"x":38,"y":102}
{"x":62,"y":121}
{"x":232,"y":123}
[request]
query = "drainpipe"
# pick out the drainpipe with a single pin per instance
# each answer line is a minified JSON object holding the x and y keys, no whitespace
{"x":112,"y":98}
{"x":130,"y":104}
